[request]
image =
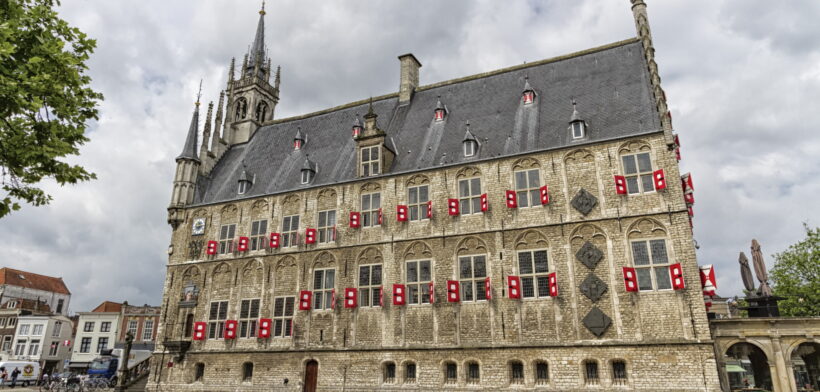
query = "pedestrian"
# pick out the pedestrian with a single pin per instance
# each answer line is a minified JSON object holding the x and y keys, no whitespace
{"x":3,"y":375}
{"x":14,"y":374}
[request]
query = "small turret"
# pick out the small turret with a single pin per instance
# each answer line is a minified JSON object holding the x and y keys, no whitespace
{"x":206,"y":134}
{"x":186,"y":174}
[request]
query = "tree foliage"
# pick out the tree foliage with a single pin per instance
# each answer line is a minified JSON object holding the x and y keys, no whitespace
{"x":45,"y":100}
{"x":796,"y":276}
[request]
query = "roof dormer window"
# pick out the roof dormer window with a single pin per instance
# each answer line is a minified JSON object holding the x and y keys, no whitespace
{"x":577,"y":126}
{"x":529,"y":93}
{"x":357,"y":127}
{"x":470,"y":143}
{"x":308,"y":171}
{"x":577,"y":129}
{"x":298,"y":140}
{"x":370,"y":162}
{"x":244,"y":183}
{"x":441,"y":111}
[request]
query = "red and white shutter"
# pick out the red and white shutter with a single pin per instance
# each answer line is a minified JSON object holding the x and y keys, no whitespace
{"x":677,"y":276}
{"x":453,"y":292}
{"x":620,"y":185}
{"x":310,"y":236}
{"x":401,"y":213}
{"x":242,"y":245}
{"x":68,"y":342}
{"x":488,"y":289}
{"x":199,"y":330}
{"x":485,"y":205}
{"x":553,"y":283}
{"x":514,"y":286}
{"x":677,"y":153}
{"x":686,"y":182}
{"x":512,"y":199}
{"x":304,"y":299}
{"x":630,"y":280}
{"x":351,"y":297}
{"x":274,"y":240}
{"x":452,"y":207}
{"x":212,"y":247}
{"x":230,"y":329}
{"x":689,"y":198}
{"x":355,"y":219}
{"x":398,"y":295}
{"x":381,"y":218}
{"x":707,"y":279}
{"x":528,"y":97}
{"x":432,"y":292}
{"x":660,"y":179}
{"x":264,"y":328}
{"x":545,"y":195}
{"x":429,"y":209}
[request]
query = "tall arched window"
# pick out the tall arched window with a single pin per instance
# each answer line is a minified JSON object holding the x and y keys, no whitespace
{"x":241,"y":109}
{"x":261,"y":111}
{"x":247,"y":371}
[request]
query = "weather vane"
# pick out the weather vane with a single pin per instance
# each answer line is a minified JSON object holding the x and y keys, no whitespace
{"x":199,"y":93}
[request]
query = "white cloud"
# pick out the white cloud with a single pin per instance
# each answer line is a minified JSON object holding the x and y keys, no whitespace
{"x":741,"y":88}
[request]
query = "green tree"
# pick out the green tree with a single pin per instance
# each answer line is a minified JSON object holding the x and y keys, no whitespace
{"x":796,"y":276}
{"x":45,"y":100}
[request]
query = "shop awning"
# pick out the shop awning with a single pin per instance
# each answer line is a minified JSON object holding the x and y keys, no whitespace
{"x":79,"y":364}
{"x":735,"y":369}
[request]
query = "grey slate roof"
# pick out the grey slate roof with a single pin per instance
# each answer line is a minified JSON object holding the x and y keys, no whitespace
{"x":610,"y":83}
{"x":190,"y":146}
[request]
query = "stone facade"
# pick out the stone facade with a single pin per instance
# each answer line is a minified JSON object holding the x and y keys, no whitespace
{"x":592,"y":335}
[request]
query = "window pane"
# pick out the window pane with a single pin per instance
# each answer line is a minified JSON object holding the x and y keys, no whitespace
{"x":374,"y":294}
{"x":524,"y":263}
{"x":479,"y":267}
{"x":364,"y":299}
{"x":244,"y":309}
{"x":644,"y":165}
{"x":329,"y":277}
{"x":659,"y":255}
{"x":463,"y":188}
{"x":331,"y":218}
{"x":543,"y":286}
{"x":365,"y":154}
{"x":364,"y":276}
{"x":425,"y":294}
{"x":412,"y":272}
{"x":522,"y":199}
{"x":424,"y":271}
{"x":289,"y":306}
{"x":480,"y":290}
{"x":413,"y":195}
{"x":322,"y":219}
{"x":541,"y":261}
{"x":279,"y":307}
{"x":533,"y":178}
{"x":424,"y":209}
{"x":294,"y":223}
{"x":639,"y":253}
{"x":317,"y":279}
{"x":475,"y":186}
{"x":644,"y":278}
{"x":365,"y":202}
{"x":466,"y":268}
{"x":527,"y":287}
{"x":629,"y":164}
{"x":423,"y":194}
{"x":632,"y":185}
{"x":467,"y":290}
{"x":662,"y":278}
{"x":374,"y":153}
{"x":476,"y":207}
{"x":464,"y":206}
{"x":375,"y":201}
{"x":648,"y":183}
{"x":414,"y":213}
{"x":520,"y":180}
{"x":412,"y":293}
{"x":376,"y":275}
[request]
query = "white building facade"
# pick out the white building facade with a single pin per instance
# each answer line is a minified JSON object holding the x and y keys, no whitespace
{"x":43,"y":339}
{"x":96,"y":331}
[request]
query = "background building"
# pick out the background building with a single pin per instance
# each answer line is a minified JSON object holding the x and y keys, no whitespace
{"x":45,"y":339}
{"x":17,"y":285}
{"x":97,"y":330}
{"x":9,"y":313}
{"x":142,"y":322}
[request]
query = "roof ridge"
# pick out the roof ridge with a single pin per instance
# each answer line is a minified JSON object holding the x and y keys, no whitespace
{"x":461,"y":79}
{"x":32,"y":273}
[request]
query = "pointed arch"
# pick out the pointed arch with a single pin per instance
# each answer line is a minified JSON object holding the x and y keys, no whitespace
{"x":646,"y":227}
{"x":531,"y":239}
{"x":587,"y":232}
{"x":526,"y":163}
{"x":634,"y":146}
{"x":370,"y":255}
{"x":418,"y":250}
{"x":468,"y":171}
{"x":370,"y":187}
{"x":326,"y":198}
{"x":580,"y":155}
{"x":228,"y":212}
{"x":417,"y":179}
{"x":471,"y":245}
{"x":221,"y":276}
{"x":324,"y":260}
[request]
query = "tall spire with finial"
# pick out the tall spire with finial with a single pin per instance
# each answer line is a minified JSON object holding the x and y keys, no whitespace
{"x":206,"y":132}
{"x":189,"y":149}
{"x":218,"y":123}
{"x":256,"y":53}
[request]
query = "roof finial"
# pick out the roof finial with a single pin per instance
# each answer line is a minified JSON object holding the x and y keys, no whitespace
{"x":370,"y":107}
{"x":262,"y":11}
{"x":199,"y":93}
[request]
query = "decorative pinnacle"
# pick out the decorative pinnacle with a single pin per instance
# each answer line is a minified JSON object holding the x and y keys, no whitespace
{"x":262,"y":11}
{"x":370,"y":112}
{"x":199,"y":93}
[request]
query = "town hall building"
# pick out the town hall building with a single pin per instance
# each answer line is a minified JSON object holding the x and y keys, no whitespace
{"x":525,"y":228}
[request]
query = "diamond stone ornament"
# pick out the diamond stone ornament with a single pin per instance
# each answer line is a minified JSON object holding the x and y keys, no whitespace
{"x":584,"y":201}
{"x":589,"y":255}
{"x":597,"y":322}
{"x":593,"y":287}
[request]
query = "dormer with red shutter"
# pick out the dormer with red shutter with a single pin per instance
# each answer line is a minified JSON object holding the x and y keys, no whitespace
{"x":441,"y":111}
{"x":298,"y":140}
{"x":528,"y":95}
{"x":357,"y":127}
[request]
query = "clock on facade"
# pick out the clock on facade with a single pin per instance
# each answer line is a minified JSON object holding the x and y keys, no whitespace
{"x":198,"y":227}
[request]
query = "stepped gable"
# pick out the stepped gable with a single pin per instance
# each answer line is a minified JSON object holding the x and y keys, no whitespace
{"x":610,"y":83}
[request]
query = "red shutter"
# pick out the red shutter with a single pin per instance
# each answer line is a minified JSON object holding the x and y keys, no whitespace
{"x":485,"y":205}
{"x":452,"y":207}
{"x":212,"y":247}
{"x":514,"y":286}
{"x":453,"y":292}
{"x":677,"y":153}
{"x":333,"y":298}
{"x":707,"y":279}
{"x":553,"y":283}
{"x":381,"y":296}
{"x":429,"y":209}
{"x":432,"y":292}
{"x":243,"y":244}
{"x":620,"y":185}
{"x":351,"y":297}
{"x":264,"y":328}
{"x":528,"y":97}
{"x":304,"y":299}
{"x":274,"y":240}
{"x":660,"y":180}
{"x":398,"y":294}
{"x":689,"y":198}
{"x":199,"y":330}
{"x":630,"y":280}
{"x":512,"y":199}
{"x":355,"y":218}
{"x":380,"y":216}
{"x":545,"y":195}
{"x":686,"y":181}
{"x":310,"y":236}
{"x":230,"y":329}
{"x":677,"y":276}
{"x":488,"y":289}
{"x":401,"y":213}
{"x":691,"y":211}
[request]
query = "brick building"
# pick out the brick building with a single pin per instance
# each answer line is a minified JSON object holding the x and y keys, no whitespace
{"x":142,"y":322}
{"x":511,"y":229}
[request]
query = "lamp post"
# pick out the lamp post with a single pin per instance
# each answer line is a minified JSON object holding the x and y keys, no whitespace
{"x":122,"y":374}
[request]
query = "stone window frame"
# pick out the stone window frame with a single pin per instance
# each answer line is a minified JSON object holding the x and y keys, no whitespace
{"x":87,"y":327}
{"x":259,"y":236}
{"x":241,"y":108}
{"x":373,"y":291}
{"x":635,"y":148}
{"x":199,"y":371}
{"x":247,"y":372}
{"x":370,"y":163}
{"x":326,"y":233}
{"x":405,"y":366}
{"x":323,"y":294}
{"x":535,"y":276}
{"x":370,"y":216}
{"x":290,"y":237}
{"x":284,"y":318}
{"x":531,"y":193}
{"x":535,"y":378}
{"x":260,"y":114}
{"x":420,"y":285}
{"x":445,"y":372}
{"x":651,"y":266}
{"x":511,"y":379}
{"x":469,"y":378}
{"x":420,"y":206}
{"x":472,"y":199}
{"x":248,"y":324}
{"x":388,"y":367}
{"x":226,"y":234}
{"x":148,"y":329}
{"x":217,"y":324}
{"x":587,"y":374}
{"x":619,"y":382}
{"x":475,"y":281}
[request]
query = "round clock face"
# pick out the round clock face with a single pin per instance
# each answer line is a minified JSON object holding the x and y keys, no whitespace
{"x":199,"y":226}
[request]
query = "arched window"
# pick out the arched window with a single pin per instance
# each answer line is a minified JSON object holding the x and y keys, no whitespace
{"x":199,"y":371}
{"x":473,"y":373}
{"x":389,"y":372}
{"x":261,"y":111}
{"x":619,"y":372}
{"x":591,"y":372}
{"x":450,"y":373}
{"x":517,"y":372}
{"x":241,"y":108}
{"x":542,"y":374}
{"x":247,"y":371}
{"x":410,"y":372}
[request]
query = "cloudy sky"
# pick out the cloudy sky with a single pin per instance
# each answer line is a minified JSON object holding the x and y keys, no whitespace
{"x":742,"y":78}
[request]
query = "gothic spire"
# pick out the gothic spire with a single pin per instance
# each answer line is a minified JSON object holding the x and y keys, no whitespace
{"x":216,"y":135}
{"x":189,"y":149}
{"x":256,"y":55}
{"x":206,"y":132}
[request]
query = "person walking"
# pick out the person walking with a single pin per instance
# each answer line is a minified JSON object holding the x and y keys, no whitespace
{"x":3,"y":375}
{"x":14,"y":374}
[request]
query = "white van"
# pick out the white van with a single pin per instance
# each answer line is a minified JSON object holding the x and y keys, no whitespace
{"x":29,"y":372}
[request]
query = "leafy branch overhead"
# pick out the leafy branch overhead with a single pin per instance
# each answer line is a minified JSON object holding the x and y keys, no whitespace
{"x":45,"y":100}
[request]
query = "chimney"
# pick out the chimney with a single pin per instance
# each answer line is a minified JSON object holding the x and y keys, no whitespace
{"x":409,"y":76}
